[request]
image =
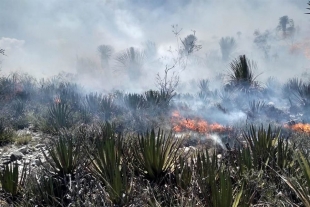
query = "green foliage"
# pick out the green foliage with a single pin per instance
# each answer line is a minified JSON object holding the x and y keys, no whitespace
{"x":22,"y":140}
{"x":59,"y":115}
{"x":65,"y":154}
{"x":10,"y":181}
{"x":49,"y":191}
{"x":267,"y":147}
{"x":184,"y":172}
{"x":242,"y":77}
{"x":156,"y":154}
{"x":6,"y":134}
{"x":109,"y":167}
{"x":215,"y":182}
{"x":301,"y":185}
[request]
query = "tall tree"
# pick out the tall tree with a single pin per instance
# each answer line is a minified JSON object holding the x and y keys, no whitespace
{"x":286,"y":26}
{"x":189,"y":44}
{"x":131,"y":60}
{"x":105,"y":52}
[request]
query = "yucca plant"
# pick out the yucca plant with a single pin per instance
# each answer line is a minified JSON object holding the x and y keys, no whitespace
{"x":156,"y":153}
{"x":184,"y":172}
{"x":50,"y":191}
{"x":59,"y":115}
{"x":107,"y":107}
{"x":215,"y":182}
{"x":107,"y":164}
{"x":11,"y":180}
{"x":255,"y":108}
{"x":242,"y":77}
{"x":227,"y":44}
{"x":300,"y":184}
{"x":93,"y":101}
{"x":134,"y":101}
{"x":64,"y":155}
{"x":262,"y":143}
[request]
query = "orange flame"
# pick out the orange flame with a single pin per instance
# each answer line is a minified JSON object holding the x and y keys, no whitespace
{"x":181,"y":124}
{"x":300,"y":127}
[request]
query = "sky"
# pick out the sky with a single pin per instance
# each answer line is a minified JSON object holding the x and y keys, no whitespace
{"x":44,"y":38}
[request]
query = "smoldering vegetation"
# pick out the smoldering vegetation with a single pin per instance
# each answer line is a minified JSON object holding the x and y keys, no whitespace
{"x":189,"y":122}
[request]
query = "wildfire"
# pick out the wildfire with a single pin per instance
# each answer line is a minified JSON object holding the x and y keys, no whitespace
{"x":181,"y":124}
{"x":304,"y":46}
{"x":300,"y":127}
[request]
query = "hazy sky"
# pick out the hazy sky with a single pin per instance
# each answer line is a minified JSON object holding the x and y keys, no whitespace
{"x":45,"y":37}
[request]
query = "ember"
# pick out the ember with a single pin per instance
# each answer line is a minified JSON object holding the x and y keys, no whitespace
{"x":181,"y":124}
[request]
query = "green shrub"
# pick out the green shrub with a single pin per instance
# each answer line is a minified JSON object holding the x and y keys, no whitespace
{"x":6,"y":134}
{"x":11,"y":180}
{"x":156,"y":154}
{"x":108,"y":165}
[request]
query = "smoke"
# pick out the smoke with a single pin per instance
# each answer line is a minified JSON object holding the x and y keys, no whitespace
{"x":44,"y":38}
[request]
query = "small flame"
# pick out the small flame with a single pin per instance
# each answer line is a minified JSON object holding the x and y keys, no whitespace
{"x":299,"y":127}
{"x":57,"y":100}
{"x":181,"y":124}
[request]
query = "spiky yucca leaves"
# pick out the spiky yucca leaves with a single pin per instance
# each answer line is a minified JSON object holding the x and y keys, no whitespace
{"x":184,"y":172}
{"x":301,"y":184}
{"x":227,"y":44}
{"x":215,"y":182}
{"x":267,"y":147}
{"x":59,"y":115}
{"x":49,"y":191}
{"x":261,"y":143}
{"x":93,"y":101}
{"x":131,"y":60}
{"x":105,"y":52}
{"x":11,"y":180}
{"x":108,"y":165}
{"x":255,"y":109}
{"x":156,"y":153}
{"x":108,"y":108}
{"x":159,"y":99}
{"x":64,"y":155}
{"x":242,"y":77}
{"x":134,"y":101}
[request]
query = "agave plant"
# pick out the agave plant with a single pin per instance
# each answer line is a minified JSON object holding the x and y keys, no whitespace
{"x":108,"y":165}
{"x":242,"y":77}
{"x":156,"y":153}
